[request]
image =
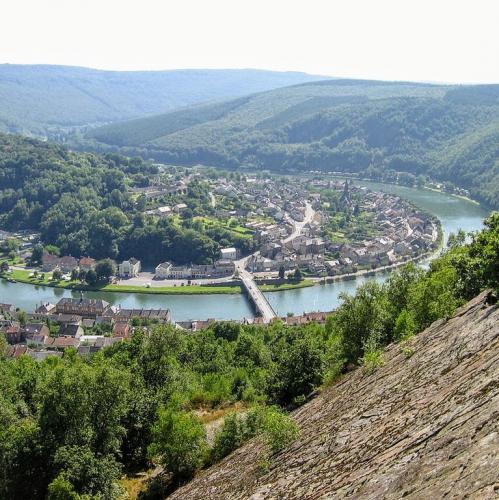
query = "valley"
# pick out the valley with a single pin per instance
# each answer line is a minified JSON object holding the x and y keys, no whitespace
{"x":249,"y":250}
{"x":453,"y":213}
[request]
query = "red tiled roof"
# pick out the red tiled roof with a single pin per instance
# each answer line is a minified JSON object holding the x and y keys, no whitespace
{"x":87,"y":261}
{"x":121,"y":329}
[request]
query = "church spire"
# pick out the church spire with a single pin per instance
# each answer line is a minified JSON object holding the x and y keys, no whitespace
{"x":345,"y":197}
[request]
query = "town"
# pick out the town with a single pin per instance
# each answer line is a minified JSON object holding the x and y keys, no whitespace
{"x":89,"y":325}
{"x":319,"y":227}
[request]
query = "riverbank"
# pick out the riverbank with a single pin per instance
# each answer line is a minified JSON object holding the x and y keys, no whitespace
{"x":453,"y":213}
{"x":27,"y":277}
{"x":287,"y":286}
{"x":383,"y":269}
{"x":355,"y":177}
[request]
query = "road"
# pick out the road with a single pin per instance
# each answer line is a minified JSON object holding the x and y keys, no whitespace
{"x":298,"y":226}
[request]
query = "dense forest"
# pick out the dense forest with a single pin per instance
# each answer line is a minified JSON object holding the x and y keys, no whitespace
{"x":46,"y":100}
{"x":376,"y":129}
{"x":80,"y":204}
{"x":70,"y":427}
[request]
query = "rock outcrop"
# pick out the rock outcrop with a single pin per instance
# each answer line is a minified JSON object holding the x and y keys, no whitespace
{"x":425,"y":425}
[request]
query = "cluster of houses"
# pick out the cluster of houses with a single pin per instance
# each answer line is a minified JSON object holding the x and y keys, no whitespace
{"x":403,"y":231}
{"x":406,"y":232}
{"x":157,"y":188}
{"x":277,"y":208}
{"x":305,"y":318}
{"x":303,"y":251}
{"x":280,"y":205}
{"x":269,"y":197}
{"x":75,"y":321}
{"x":166,"y":210}
{"x":221,"y":268}
{"x":130,"y":268}
{"x":66,"y":263}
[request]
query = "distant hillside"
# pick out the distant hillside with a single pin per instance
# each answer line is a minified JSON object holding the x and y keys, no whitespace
{"x":374,"y":128}
{"x":38,"y":98}
{"x":423,"y":425}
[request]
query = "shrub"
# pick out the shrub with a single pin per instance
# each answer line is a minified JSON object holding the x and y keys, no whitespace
{"x":179,"y":440}
{"x":279,"y":429}
{"x":229,"y":438}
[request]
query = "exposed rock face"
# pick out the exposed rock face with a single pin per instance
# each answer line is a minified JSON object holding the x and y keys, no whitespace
{"x":424,"y":426}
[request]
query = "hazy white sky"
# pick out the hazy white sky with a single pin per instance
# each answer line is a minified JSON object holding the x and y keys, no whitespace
{"x":433,"y":40}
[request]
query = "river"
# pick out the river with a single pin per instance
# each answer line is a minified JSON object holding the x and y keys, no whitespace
{"x":454,"y":213}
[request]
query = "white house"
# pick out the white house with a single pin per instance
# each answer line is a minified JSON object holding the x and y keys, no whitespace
{"x":180,"y":207}
{"x":180,"y":272}
{"x":162,"y":270}
{"x":129,"y":268}
{"x":164,"y":211}
{"x":228,"y":253}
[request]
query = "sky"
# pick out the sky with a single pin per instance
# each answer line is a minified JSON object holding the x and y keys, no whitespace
{"x":419,"y":40}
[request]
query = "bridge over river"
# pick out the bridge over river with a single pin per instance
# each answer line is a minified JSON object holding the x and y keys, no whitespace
{"x":261,"y":303}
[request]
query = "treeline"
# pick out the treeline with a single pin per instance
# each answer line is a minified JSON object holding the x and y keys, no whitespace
{"x":80,"y":203}
{"x":452,"y":136}
{"x":70,"y":427}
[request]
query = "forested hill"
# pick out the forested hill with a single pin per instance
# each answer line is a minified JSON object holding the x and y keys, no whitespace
{"x":376,"y":128}
{"x":81,"y":204}
{"x":42,"y":98}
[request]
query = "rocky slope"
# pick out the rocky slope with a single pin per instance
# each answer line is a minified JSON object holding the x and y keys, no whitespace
{"x":424,"y":425}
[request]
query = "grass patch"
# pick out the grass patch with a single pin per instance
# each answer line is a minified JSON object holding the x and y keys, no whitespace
{"x":286,"y":286}
{"x":24,"y":277}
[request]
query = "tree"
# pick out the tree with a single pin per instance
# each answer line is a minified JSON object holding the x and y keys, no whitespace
{"x":91,"y":277}
{"x":229,"y":438}
{"x":279,"y":429}
{"x":10,"y":246}
{"x":405,"y":326}
{"x":74,"y":274}
{"x":57,"y":274}
{"x":104,"y":269}
{"x":228,"y":330}
{"x":61,"y":489}
{"x":82,"y":472}
{"x":297,"y":276}
{"x":37,"y":254}
{"x":179,"y":440}
{"x":282,"y":272}
{"x":4,"y":266}
{"x":456,"y":239}
{"x":22,"y":318}
{"x":23,"y":460}
{"x":299,"y":370}
{"x":421,"y":181}
{"x":361,"y":317}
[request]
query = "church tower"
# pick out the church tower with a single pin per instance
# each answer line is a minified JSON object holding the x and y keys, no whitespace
{"x":345,"y":197}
